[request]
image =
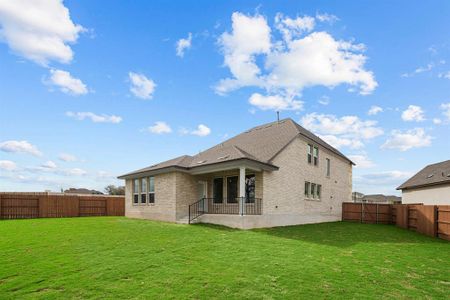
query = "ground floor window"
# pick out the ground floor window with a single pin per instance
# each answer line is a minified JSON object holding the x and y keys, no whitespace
{"x":136,"y":191}
{"x":218,"y":190}
{"x":144,"y":190}
{"x":313,"y":190}
{"x":151,"y":190}
{"x":250,"y":188}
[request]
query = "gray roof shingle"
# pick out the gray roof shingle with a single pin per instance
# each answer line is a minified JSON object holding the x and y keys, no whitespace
{"x":438,"y":173}
{"x":261,"y":144}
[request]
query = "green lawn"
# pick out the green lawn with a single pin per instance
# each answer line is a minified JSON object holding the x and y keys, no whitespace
{"x":114,"y":257}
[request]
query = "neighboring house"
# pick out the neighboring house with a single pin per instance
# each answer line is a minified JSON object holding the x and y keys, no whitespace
{"x":272,"y":175}
{"x":377,"y":198}
{"x":431,"y":185}
{"x":82,"y":191}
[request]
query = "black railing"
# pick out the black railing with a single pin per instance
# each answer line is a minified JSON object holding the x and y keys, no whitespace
{"x":241,"y":206}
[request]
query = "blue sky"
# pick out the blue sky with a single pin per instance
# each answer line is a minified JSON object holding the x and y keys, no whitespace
{"x":89,"y":91}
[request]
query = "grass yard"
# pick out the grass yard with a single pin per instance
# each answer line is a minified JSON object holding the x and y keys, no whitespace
{"x":115,"y":257}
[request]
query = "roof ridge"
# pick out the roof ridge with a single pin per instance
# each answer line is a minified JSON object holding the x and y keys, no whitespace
{"x":244,"y":153}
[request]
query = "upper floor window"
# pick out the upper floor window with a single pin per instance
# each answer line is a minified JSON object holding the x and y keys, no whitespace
{"x":328,"y":167}
{"x":143,"y":190}
{"x":151,"y":190}
{"x":135,"y":191}
{"x":310,"y":153}
{"x":316,"y":156}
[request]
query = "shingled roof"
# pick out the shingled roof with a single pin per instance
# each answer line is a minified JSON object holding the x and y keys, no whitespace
{"x":434,"y":174}
{"x":260,"y":144}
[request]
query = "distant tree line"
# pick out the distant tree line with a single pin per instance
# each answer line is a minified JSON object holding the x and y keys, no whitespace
{"x":114,"y":190}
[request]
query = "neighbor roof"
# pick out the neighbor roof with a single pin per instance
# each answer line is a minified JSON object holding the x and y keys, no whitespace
{"x":434,"y":174}
{"x":260,"y":144}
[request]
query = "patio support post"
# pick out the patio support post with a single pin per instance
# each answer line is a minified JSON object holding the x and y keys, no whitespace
{"x":241,"y":190}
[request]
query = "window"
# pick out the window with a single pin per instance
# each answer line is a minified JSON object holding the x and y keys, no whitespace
{"x":250,"y":188}
{"x":218,"y":190}
{"x":313,"y":190}
{"x":316,"y":156}
{"x":151,"y":190}
{"x":310,"y":152}
{"x":328,"y":167}
{"x":143,"y":190}
{"x":135,"y":191}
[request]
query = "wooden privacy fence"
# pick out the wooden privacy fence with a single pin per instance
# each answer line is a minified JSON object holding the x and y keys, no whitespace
{"x":432,"y":220}
{"x":55,"y":205}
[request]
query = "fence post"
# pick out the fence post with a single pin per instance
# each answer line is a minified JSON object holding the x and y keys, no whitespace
{"x":436,"y":221}
{"x":1,"y":216}
{"x":362,"y":212}
{"x":377,"y":214}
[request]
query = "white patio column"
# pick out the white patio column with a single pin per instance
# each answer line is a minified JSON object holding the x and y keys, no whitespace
{"x":241,"y":190}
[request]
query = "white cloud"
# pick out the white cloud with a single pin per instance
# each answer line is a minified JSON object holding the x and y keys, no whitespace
{"x":75,"y":172}
{"x":7,"y":165}
{"x":160,"y":128}
{"x":20,"y":147}
{"x":446,"y":108}
{"x":324,"y":100}
{"x":413,"y":113}
{"x":141,"y":86}
{"x":430,"y":66}
{"x":405,"y":140}
{"x":67,"y":157}
{"x":275,"y":102}
{"x":349,"y":131}
{"x":103,"y":118}
{"x":298,"y":61}
{"x":328,"y":18}
{"x":183,"y":45}
{"x":66,"y":83}
{"x":290,"y":28}
{"x":386,"y":178}
{"x":361,"y":161}
{"x":38,"y":30}
{"x":49,"y":165}
{"x":374,"y":110}
{"x":437,"y":121}
{"x":445,"y":75}
{"x":202,"y":130}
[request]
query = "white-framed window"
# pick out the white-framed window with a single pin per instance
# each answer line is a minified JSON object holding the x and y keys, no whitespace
{"x":316,"y":155}
{"x":151,"y":190}
{"x":143,"y":190}
{"x":328,"y":167}
{"x":310,"y":153}
{"x":313,"y":190}
{"x":135,"y":191}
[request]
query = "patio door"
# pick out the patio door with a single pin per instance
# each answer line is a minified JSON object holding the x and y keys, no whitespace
{"x":232,"y":189}
{"x":202,"y":195}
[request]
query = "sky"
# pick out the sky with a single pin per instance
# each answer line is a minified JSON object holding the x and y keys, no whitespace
{"x":90,"y":91}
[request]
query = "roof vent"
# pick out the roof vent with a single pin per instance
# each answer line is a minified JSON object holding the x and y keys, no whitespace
{"x":201,"y":162}
{"x":448,"y":175}
{"x":152,"y":166}
{"x":431,"y":175}
{"x":223,"y":157}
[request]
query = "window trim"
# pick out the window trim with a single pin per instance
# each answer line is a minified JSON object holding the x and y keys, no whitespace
{"x":312,"y":191}
{"x":310,"y":153}
{"x":142,"y":193}
{"x":316,"y":157}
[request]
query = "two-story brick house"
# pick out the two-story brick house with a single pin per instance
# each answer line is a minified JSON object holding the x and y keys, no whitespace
{"x":275,"y":174}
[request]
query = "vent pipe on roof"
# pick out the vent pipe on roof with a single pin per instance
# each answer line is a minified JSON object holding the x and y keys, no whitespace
{"x":278,"y":116}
